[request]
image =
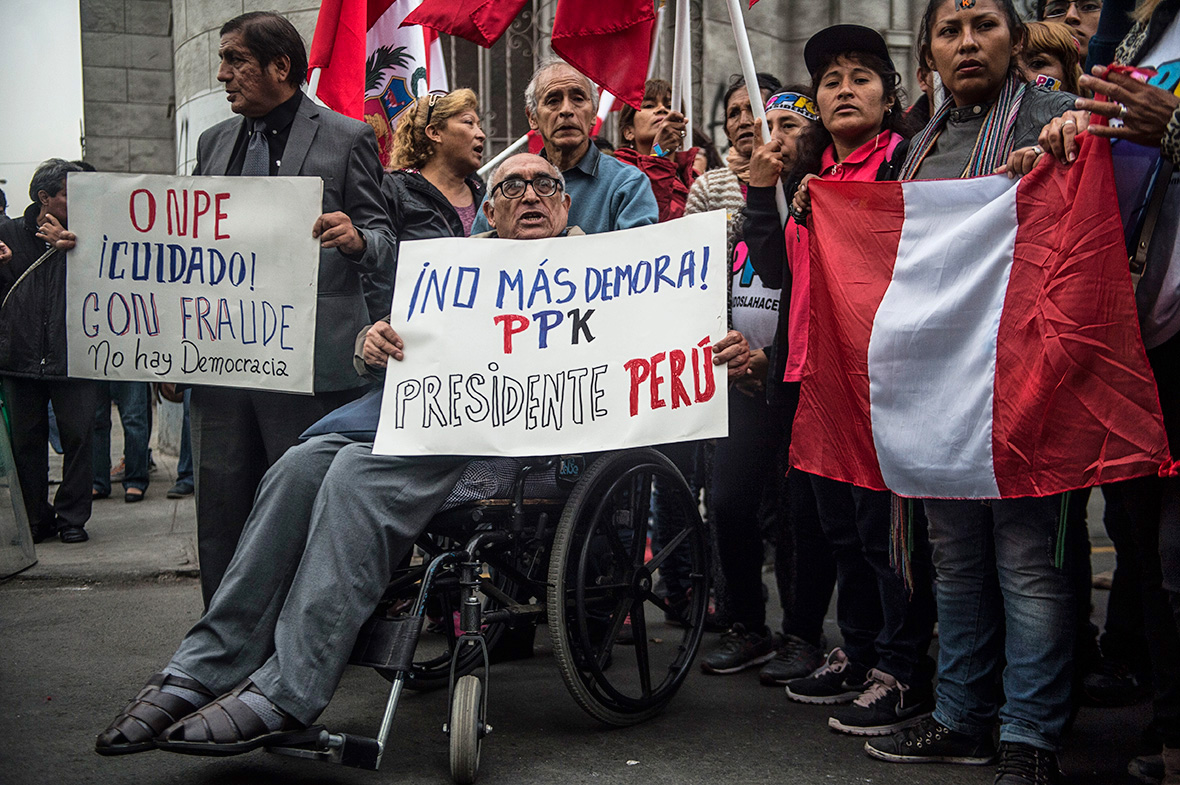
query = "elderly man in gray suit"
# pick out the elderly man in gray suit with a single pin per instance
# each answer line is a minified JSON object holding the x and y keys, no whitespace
{"x":238,"y":434}
{"x":331,"y":521}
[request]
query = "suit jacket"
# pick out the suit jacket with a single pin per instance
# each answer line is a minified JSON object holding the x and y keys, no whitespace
{"x":343,"y":153}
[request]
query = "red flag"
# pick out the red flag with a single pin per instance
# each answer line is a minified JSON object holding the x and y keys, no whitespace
{"x":976,"y":338}
{"x":338,"y":49}
{"x":370,"y":67}
{"x":607,"y":40}
{"x":479,"y":21}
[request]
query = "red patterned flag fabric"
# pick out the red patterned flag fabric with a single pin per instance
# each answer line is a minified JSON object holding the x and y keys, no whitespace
{"x":371,"y":67}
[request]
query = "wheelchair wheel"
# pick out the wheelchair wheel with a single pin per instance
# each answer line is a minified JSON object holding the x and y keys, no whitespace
{"x":600,"y":576}
{"x":467,"y":729}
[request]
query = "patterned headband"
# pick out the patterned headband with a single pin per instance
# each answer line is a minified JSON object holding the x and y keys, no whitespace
{"x":794,"y":102}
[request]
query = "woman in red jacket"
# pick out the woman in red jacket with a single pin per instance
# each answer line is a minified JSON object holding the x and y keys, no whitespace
{"x":652,"y":140}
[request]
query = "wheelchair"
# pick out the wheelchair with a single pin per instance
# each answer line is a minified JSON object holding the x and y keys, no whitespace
{"x":494,"y":569}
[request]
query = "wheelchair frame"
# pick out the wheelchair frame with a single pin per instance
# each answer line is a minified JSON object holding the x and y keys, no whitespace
{"x":597,"y":576}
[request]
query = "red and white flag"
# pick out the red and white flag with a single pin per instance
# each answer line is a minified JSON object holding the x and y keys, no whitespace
{"x":976,"y":338}
{"x":370,"y":67}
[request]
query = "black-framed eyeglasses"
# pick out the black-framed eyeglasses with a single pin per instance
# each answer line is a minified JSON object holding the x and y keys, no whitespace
{"x":514,"y":187}
{"x":1057,"y":8}
{"x":434,"y":95}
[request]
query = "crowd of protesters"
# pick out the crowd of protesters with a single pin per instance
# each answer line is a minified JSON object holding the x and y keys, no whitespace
{"x":1017,"y":653}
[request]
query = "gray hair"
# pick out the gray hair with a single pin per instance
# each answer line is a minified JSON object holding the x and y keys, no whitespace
{"x":531,"y":100}
{"x":497,"y":177}
{"x":50,"y":177}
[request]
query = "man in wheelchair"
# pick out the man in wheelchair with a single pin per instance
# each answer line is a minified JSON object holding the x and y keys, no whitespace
{"x":330,"y":522}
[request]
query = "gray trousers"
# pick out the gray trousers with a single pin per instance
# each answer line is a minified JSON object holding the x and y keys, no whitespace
{"x":237,"y":435}
{"x":330,"y":523}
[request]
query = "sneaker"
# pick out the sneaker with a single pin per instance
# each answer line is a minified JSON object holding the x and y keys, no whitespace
{"x":1147,"y":768}
{"x":795,"y":659}
{"x":887,"y":706}
{"x":739,"y":650}
{"x":1110,"y":683}
{"x":932,"y":742}
{"x":838,"y":680}
{"x":1022,"y":764}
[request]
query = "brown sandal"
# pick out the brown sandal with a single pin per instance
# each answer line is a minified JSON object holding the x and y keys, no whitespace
{"x":228,"y":726}
{"x":146,"y":717}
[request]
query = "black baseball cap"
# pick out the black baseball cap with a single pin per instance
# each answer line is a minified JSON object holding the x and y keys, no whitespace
{"x":833,"y":41}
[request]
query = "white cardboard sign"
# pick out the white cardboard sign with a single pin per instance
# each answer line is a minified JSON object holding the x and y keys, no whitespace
{"x":194,"y":280}
{"x":569,"y":344}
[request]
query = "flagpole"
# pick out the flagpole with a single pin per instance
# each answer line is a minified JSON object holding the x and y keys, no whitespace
{"x":508,"y":151}
{"x":751,"y":76}
{"x":677,"y":57}
{"x":686,"y":75}
{"x":313,"y":86}
{"x":653,"y":60}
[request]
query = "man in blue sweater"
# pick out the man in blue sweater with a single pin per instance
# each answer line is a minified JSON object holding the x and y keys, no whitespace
{"x":561,"y":104}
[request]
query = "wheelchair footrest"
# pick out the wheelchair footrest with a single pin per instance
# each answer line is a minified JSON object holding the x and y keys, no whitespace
{"x":387,"y":643}
{"x":358,"y":752}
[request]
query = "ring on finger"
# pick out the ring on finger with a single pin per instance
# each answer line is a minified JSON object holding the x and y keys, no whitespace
{"x":1122,"y":111}
{"x":1037,"y":149}
{"x":1068,"y":121}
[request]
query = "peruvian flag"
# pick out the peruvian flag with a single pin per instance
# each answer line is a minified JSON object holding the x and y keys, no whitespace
{"x":976,"y":338}
{"x":369,"y":67}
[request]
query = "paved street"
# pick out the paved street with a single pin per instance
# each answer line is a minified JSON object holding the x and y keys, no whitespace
{"x":74,"y":653}
{"x":81,"y":630}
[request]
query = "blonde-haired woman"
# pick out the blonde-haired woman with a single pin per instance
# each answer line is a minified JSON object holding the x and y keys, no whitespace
{"x":437,"y":148}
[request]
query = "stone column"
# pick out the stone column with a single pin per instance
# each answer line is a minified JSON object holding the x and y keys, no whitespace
{"x":127,"y":85}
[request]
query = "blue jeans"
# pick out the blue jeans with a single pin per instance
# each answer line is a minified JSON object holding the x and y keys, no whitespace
{"x":1000,"y":597}
{"x":135,"y":411}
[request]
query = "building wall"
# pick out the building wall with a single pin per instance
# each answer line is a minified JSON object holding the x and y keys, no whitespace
{"x":778,"y":29}
{"x":127,"y":85}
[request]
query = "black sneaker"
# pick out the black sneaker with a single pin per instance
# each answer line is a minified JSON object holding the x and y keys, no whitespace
{"x":795,"y":658}
{"x":1147,"y":768}
{"x":838,"y":680}
{"x":1110,"y":683}
{"x":932,"y":742}
{"x":887,"y":706}
{"x":1022,"y":764}
{"x":739,"y":650}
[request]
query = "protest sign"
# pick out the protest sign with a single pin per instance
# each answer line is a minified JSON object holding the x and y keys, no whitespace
{"x":194,"y":280}
{"x":569,"y":344}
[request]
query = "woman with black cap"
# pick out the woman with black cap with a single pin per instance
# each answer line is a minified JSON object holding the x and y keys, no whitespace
{"x":882,"y":671}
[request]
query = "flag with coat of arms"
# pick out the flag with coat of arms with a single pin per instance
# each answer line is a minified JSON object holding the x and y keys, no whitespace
{"x":370,"y":67}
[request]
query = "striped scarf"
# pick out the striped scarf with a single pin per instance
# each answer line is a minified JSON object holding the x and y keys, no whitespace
{"x":995,"y":138}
